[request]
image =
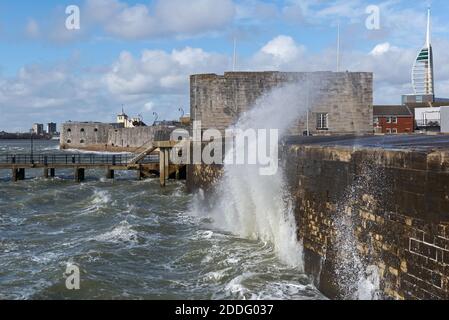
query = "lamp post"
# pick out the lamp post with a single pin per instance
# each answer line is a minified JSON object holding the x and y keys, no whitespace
{"x":32,"y":146}
{"x":156,"y":118}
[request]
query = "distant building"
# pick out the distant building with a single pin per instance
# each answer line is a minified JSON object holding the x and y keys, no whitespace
{"x":110,"y":136}
{"x":444,"y":119}
{"x":393,"y":119}
{"x":428,"y":119}
{"x":52,"y":128}
{"x":423,"y":75}
{"x":126,"y":122}
{"x":38,"y":129}
{"x":343,"y":102}
{"x":423,"y":103}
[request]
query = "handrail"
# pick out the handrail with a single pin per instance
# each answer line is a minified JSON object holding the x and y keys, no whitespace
{"x":71,"y":159}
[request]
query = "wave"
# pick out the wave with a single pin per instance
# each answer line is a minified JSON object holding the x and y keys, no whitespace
{"x":95,"y":152}
{"x":122,"y":233}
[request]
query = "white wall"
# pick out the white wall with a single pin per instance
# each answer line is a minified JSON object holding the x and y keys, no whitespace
{"x":427,"y":114}
{"x":445,"y":119}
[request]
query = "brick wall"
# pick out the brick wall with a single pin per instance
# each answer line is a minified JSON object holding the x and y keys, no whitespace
{"x":389,"y":209}
{"x":403,"y":125}
{"x":398,"y":202}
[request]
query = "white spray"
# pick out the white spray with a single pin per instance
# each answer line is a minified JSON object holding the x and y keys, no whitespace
{"x":256,"y":206}
{"x":356,"y":277}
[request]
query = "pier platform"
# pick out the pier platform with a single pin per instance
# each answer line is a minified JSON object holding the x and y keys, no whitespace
{"x":146,"y":164}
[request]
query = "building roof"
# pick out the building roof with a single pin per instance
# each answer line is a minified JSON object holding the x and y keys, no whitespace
{"x":392,"y":110}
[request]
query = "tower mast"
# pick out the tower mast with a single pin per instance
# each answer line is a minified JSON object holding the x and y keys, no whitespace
{"x":422,"y":74}
{"x":338,"y":47}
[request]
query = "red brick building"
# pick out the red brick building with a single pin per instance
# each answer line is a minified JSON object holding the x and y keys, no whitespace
{"x":393,"y":119}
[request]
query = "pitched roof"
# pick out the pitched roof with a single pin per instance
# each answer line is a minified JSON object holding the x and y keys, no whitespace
{"x":392,"y":110}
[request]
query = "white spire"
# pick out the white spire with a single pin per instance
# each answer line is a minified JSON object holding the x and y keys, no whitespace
{"x":428,"y":36}
{"x":338,"y":47}
{"x":422,"y":74}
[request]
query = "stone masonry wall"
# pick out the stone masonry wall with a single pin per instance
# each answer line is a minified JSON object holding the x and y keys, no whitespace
{"x":395,"y":209}
{"x":347,"y":97}
{"x":136,"y":137}
{"x":78,"y":135}
{"x":104,"y":137}
{"x":364,"y":209}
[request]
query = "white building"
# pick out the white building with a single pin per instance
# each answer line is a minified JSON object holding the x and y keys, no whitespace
{"x":427,"y":117}
{"x":445,"y":119}
{"x":38,"y":128}
{"x":129,"y":122}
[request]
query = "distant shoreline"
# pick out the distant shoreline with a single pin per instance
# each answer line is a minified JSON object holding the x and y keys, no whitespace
{"x":25,"y":136}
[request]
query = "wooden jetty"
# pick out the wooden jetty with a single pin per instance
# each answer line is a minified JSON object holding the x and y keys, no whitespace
{"x":147,"y":163}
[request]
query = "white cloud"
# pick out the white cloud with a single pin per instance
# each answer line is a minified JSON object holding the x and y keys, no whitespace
{"x":282,"y":52}
{"x":158,"y":71}
{"x":164,"y":18}
{"x":156,"y":80}
{"x":283,"y":48}
{"x":382,"y":49}
{"x":256,"y":11}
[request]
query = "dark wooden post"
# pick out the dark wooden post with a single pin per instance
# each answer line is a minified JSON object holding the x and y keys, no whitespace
{"x":110,"y":174}
{"x":79,"y":174}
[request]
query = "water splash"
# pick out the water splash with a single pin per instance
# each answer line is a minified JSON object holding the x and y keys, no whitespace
{"x":356,"y":277}
{"x":255,"y":206}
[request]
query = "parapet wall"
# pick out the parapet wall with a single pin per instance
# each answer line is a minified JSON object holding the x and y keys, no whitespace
{"x":347,"y":98}
{"x":365,"y":213}
{"x":395,"y":203}
{"x":78,"y":135}
{"x":105,"y":137}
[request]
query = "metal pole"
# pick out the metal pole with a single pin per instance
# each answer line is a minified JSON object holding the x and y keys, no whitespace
{"x":338,"y":47}
{"x":32,"y":147}
{"x":308,"y":105}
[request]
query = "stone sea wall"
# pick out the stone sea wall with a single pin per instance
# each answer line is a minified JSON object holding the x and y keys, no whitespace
{"x":394,"y":203}
{"x":105,"y":137}
{"x":368,"y":218}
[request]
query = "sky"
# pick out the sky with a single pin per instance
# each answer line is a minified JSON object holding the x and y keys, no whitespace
{"x":140,"y":53}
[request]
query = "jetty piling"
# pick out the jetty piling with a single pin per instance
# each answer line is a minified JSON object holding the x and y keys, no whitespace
{"x":146,"y":164}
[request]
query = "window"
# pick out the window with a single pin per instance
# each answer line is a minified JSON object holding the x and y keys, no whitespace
{"x":69,"y":130}
{"x":322,"y":121}
{"x":96,"y":129}
{"x":388,"y":131}
{"x":82,"y":130}
{"x":394,"y":119}
{"x":394,"y":131}
{"x":69,"y":141}
{"x":81,"y":141}
{"x":388,"y":119}
{"x":376,"y":120}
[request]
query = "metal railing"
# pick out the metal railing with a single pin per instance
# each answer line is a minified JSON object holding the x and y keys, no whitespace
{"x":73,"y":159}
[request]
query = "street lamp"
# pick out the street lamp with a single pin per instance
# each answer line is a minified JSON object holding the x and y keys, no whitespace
{"x":32,"y":146}
{"x":156,"y":118}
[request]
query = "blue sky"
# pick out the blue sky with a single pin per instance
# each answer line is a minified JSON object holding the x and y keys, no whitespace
{"x":140,"y":53}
